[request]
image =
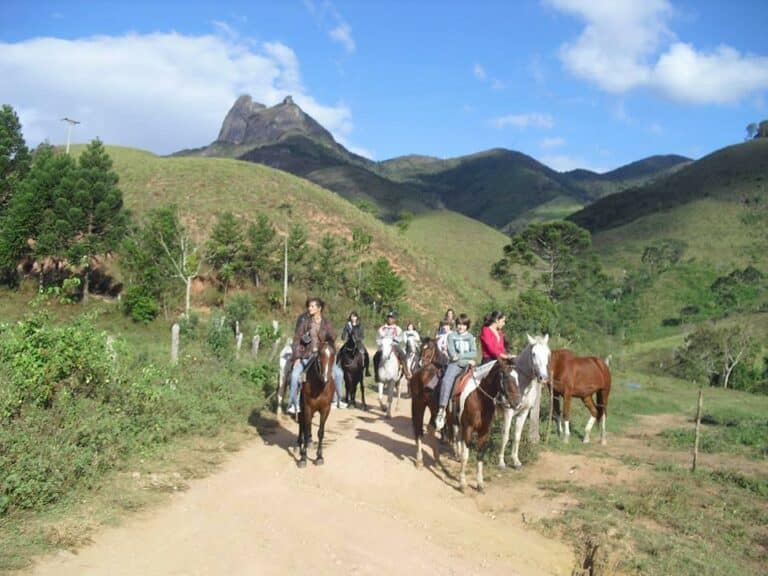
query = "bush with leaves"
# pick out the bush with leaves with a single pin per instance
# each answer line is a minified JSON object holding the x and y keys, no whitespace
{"x":140,"y":305}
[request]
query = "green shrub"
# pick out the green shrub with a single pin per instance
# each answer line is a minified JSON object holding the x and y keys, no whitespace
{"x":140,"y":305}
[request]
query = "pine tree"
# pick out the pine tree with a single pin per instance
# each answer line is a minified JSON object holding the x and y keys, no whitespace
{"x":14,"y":155}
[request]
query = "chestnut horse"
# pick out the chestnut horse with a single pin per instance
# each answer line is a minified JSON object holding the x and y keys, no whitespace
{"x":580,"y":377}
{"x":426,"y":372}
{"x":316,"y":396}
{"x":477,"y":406}
{"x":352,"y":362}
{"x":532,"y":370}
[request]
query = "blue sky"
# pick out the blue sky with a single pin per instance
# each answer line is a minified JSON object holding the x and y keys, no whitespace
{"x":574,"y":83}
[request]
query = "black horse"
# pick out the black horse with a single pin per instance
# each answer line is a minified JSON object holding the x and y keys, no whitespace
{"x":352,"y":363}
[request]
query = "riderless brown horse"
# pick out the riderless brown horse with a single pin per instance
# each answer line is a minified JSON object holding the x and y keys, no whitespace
{"x":352,"y":362}
{"x":580,"y":377}
{"x":316,"y":396}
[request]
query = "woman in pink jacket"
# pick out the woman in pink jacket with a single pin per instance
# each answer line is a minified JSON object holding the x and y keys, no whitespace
{"x":492,"y":341}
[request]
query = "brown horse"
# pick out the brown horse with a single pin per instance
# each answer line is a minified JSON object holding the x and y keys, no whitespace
{"x":352,"y":362}
{"x":424,"y":394}
{"x":580,"y":377}
{"x":316,"y":396}
{"x":477,"y":406}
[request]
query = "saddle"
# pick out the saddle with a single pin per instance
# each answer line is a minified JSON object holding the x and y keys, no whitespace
{"x":461,"y":382}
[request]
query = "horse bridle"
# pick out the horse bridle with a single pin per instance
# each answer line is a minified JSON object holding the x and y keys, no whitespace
{"x":502,"y":396}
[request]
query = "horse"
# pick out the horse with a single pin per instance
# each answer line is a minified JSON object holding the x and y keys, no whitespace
{"x":389,"y":375}
{"x":531,"y":366}
{"x":580,"y":377}
{"x":476,"y":409}
{"x":316,"y":396}
{"x":284,"y":374}
{"x":412,"y":351}
{"x":352,"y":362}
{"x":423,"y":395}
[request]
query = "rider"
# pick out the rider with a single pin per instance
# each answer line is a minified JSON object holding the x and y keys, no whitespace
{"x":461,"y":353}
{"x":391,"y":330}
{"x":353,"y":329}
{"x":312,"y":329}
{"x":410,"y":333}
{"x":492,"y":340}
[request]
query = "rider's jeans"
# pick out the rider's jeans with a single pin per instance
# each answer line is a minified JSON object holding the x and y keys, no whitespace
{"x":446,"y":384}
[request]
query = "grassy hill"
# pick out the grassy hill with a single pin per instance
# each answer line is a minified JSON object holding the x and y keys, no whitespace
{"x":203,"y":187}
{"x":732,"y":174}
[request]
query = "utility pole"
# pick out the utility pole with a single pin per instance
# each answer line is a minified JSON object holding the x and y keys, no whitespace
{"x":71,"y":123}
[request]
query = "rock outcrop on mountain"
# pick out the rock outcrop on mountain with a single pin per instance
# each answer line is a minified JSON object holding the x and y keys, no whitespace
{"x":250,"y":123}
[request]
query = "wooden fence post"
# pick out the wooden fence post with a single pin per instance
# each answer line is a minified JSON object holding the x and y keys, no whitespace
{"x":698,"y":428}
{"x":175,"y":344}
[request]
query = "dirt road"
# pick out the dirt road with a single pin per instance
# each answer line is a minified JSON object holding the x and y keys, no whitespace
{"x":368,"y":510}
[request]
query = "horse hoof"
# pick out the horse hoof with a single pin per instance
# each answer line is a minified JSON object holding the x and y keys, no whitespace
{"x":481,"y":489}
{"x":586,"y":440}
{"x":502,"y":464}
{"x":463,"y":488}
{"x":319,"y":462}
{"x":517,"y":465}
{"x":419,"y":464}
{"x":302,"y":464}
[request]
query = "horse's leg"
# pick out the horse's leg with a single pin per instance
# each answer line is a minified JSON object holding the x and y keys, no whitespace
{"x":362,"y":389}
{"x":508,"y":414}
{"x":281,"y":381}
{"x":592,"y":417}
{"x":602,"y":407}
{"x":390,"y":393}
{"x":482,"y":444}
{"x":417,"y":420}
{"x":519,"y":424}
{"x":305,"y":426}
{"x":320,"y":434}
{"x":567,"y":416}
{"x":464,"y":448}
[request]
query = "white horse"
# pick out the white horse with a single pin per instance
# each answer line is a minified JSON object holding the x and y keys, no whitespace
{"x":284,"y":374}
{"x":532,"y":367}
{"x":412,"y":350}
{"x":389,"y":375}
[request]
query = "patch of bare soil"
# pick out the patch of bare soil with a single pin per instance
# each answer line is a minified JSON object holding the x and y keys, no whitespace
{"x":368,"y":510}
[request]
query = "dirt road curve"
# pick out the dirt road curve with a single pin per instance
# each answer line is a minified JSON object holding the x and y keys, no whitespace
{"x":366,"y":511}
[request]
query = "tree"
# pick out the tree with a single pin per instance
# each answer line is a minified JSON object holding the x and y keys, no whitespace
{"x":762,"y":130}
{"x":554,"y":244}
{"x":404,"y":219}
{"x":751,"y":130}
{"x":14,"y":155}
{"x":712,"y":354}
{"x":33,"y":224}
{"x":181,"y":251}
{"x":260,"y":247}
{"x":327,"y":272}
{"x":385,"y":288}
{"x":361,"y":247}
{"x":92,"y":216}
{"x":662,"y":255}
{"x":144,"y":260}
{"x":225,"y":248}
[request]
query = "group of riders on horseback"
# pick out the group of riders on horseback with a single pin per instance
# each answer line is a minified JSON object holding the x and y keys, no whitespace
{"x":455,"y":345}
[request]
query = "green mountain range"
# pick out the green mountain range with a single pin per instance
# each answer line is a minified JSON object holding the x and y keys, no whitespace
{"x":499,"y":187}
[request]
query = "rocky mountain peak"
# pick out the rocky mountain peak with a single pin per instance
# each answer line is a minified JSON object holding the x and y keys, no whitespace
{"x":252,"y":123}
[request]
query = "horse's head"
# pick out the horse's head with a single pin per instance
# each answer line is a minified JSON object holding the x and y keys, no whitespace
{"x":326,"y":357}
{"x":540,"y":354}
{"x":428,"y":352}
{"x":507,"y":378}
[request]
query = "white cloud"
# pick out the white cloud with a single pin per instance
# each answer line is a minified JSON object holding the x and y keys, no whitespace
{"x":159,"y":92}
{"x":533,"y":119}
{"x":565,"y":162}
{"x":552,"y":143}
{"x":627,"y":45}
{"x":479,"y":72}
{"x":343,"y":35}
